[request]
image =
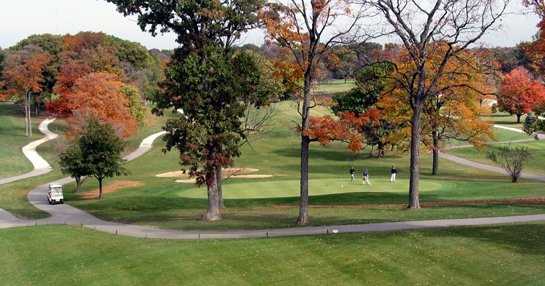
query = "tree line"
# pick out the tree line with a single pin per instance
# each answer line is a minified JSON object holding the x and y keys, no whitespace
{"x":427,"y":89}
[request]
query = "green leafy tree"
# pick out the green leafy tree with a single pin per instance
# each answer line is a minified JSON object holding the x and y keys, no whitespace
{"x":72,"y":162}
{"x":512,"y":159}
{"x":371,"y":82}
{"x":207,"y":82}
{"x":101,"y":149}
{"x":136,"y":106}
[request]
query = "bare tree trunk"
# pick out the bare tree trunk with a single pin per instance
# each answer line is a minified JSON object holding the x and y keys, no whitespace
{"x":414,"y":194}
{"x":305,"y":149}
{"x":213,"y":212}
{"x":29,"y":112}
{"x":100,"y":189}
{"x":519,"y":116}
{"x":435,"y":159}
{"x":27,"y":133}
{"x":514,"y":178}
{"x":219,"y":178}
{"x":303,"y":199}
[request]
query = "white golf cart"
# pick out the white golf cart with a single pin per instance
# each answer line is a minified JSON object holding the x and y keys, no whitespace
{"x":54,"y":195}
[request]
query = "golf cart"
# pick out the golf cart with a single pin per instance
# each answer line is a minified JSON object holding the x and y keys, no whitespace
{"x":54,"y":195}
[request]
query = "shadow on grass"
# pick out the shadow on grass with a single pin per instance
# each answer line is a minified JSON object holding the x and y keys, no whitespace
{"x":331,"y":154}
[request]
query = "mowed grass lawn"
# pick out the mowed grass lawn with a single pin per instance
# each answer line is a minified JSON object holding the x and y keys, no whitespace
{"x":144,"y":198}
{"x":13,"y":196}
{"x":535,"y":165}
{"x":60,"y":255}
{"x":331,"y":87}
{"x":13,"y":138}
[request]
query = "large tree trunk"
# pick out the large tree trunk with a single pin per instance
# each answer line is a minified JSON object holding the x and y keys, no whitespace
{"x":435,"y":151}
{"x":305,"y":150}
{"x":213,"y":212}
{"x":78,"y":183}
{"x":414,"y":182}
{"x":100,"y":189}
{"x":219,"y":178}
{"x":519,"y":116}
{"x":303,"y":199}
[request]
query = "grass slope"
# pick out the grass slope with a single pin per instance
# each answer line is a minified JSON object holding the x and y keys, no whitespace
{"x":12,"y":139}
{"x":332,"y":87}
{"x":60,"y":255}
{"x":262,"y":203}
{"x":13,"y":198}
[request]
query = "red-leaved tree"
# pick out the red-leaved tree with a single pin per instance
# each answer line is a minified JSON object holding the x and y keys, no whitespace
{"x":101,"y":96}
{"x":23,"y":76}
{"x":519,"y":93}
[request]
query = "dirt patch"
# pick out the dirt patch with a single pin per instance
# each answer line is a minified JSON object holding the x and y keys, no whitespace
{"x":111,"y":188}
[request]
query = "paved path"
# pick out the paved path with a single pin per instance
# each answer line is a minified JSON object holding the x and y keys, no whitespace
{"x":491,"y":168}
{"x":66,"y":214}
{"x":509,"y":128}
{"x":39,"y":164}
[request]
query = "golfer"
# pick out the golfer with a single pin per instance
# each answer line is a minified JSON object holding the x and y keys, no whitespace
{"x":352,"y":173}
{"x":366,"y":180}
{"x":393,"y":174}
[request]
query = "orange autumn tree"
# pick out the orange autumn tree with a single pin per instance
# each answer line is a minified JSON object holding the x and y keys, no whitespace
{"x":519,"y":93}
{"x":307,"y":29}
{"x":101,"y":96}
{"x":23,"y":76}
{"x":536,"y":49}
{"x":453,"y":109}
{"x":347,"y":128}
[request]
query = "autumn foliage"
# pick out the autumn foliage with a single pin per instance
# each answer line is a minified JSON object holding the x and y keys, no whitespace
{"x":23,"y":71}
{"x":519,"y":93}
{"x":347,"y":128}
{"x":97,"y":95}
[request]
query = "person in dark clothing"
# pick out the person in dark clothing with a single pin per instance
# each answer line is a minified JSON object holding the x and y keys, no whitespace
{"x":352,"y":173}
{"x":393,"y":174}
{"x":366,"y":177}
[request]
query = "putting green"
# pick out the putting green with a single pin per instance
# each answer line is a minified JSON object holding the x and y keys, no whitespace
{"x":257,"y":189}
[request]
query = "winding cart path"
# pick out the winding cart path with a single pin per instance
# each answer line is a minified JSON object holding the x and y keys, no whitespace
{"x":40,"y":165}
{"x":69,"y":215}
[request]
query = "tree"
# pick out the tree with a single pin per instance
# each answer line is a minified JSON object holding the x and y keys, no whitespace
{"x":102,"y":96}
{"x":519,"y":94}
{"x":208,"y":80}
{"x":371,"y":83}
{"x":307,"y":30}
{"x":23,"y":75}
{"x":420,"y":24}
{"x":535,"y":51}
{"x":72,"y":162}
{"x":512,"y":159}
{"x":101,"y":149}
{"x":453,"y":111}
{"x":136,"y":107}
{"x":530,"y":123}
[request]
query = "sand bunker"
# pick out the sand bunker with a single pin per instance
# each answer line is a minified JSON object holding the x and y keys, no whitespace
{"x":175,"y":174}
{"x":192,"y":181}
{"x":227,"y":172}
{"x":111,"y":188}
{"x":252,"y":176}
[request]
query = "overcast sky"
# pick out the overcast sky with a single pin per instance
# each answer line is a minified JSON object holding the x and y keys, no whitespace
{"x":21,"y":18}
